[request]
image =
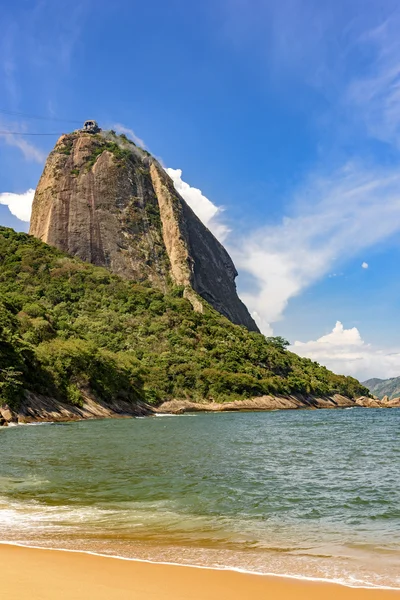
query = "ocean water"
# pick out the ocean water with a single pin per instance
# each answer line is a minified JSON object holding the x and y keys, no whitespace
{"x":301,"y":493}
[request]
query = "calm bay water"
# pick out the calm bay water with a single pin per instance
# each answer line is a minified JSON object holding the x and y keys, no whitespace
{"x":303,"y":493}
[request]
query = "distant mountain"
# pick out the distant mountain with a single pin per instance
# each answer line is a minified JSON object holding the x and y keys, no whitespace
{"x":384,"y":387}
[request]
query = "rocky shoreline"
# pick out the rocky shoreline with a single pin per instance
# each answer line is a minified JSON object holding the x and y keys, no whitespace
{"x":36,"y":408}
{"x":277,"y":403}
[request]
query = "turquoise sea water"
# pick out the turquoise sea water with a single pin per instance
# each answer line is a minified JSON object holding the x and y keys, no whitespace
{"x":302,"y":493}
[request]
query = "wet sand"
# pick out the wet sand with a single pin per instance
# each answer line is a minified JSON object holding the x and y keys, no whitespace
{"x":33,"y":574}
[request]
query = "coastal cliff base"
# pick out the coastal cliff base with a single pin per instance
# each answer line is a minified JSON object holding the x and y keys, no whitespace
{"x":36,"y":408}
{"x":276,"y":403}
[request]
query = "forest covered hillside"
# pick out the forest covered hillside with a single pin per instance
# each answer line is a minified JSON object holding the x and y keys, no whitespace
{"x":68,"y":327}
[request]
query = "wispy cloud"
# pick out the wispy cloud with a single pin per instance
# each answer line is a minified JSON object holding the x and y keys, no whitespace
{"x":20,"y":205}
{"x":376,"y":94}
{"x":333,"y":219}
{"x":347,"y":53}
{"x":29,"y":150}
{"x":119,"y":128}
{"x":344,"y":351}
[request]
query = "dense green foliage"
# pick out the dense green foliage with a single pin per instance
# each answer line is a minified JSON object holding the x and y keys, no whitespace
{"x":67,"y":326}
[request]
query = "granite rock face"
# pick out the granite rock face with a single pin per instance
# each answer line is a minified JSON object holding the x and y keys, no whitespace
{"x":110,"y":203}
{"x":276,"y":403}
{"x":36,"y":408}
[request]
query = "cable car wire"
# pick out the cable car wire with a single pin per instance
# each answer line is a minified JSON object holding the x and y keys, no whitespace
{"x":41,"y":118}
{"x":22,"y":133}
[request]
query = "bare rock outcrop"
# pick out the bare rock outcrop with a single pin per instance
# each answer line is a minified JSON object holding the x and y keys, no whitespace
{"x":35,"y":407}
{"x":269,"y":403}
{"x":393,"y":403}
{"x":6,"y":415}
{"x":110,"y":203}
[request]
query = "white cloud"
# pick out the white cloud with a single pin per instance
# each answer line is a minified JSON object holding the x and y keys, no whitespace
{"x":20,"y":205}
{"x":344,"y":351}
{"x":333,"y":219}
{"x":119,"y":128}
{"x":364,"y":265}
{"x":339,"y":336}
{"x":207,"y":212}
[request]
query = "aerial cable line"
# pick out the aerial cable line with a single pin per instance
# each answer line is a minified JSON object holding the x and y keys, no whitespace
{"x":22,"y":133}
{"x":41,"y":118}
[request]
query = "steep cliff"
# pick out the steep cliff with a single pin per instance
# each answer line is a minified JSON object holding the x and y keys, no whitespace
{"x":110,"y":203}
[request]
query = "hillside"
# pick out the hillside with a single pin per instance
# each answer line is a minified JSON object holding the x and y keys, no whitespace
{"x":70,"y":330}
{"x":110,"y":203}
{"x":384,"y":387}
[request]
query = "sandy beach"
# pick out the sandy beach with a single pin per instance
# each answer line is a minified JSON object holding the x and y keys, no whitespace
{"x":51,"y":574}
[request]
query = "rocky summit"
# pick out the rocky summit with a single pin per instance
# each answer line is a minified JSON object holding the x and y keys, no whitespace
{"x":110,"y":203}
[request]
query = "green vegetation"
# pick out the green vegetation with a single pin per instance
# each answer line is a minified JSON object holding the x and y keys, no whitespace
{"x":67,"y":147}
{"x":124,"y":138}
{"x":120,"y":154}
{"x":67,"y":327}
{"x":115,"y":146}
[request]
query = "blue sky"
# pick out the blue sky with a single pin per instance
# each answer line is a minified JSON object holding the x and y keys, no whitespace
{"x":285,"y":114}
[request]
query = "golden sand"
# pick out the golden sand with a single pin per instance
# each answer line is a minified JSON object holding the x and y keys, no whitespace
{"x":31,"y":574}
